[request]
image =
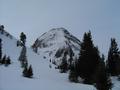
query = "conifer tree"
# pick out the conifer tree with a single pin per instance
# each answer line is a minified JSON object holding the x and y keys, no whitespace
{"x":88,"y":59}
{"x":25,"y":72}
{"x":71,"y":57}
{"x":35,"y":47}
{"x":1,"y":27}
{"x":0,"y":50}
{"x":23,"y":57}
{"x":64,"y":65}
{"x":30,"y":72}
{"x":8,"y":60}
{"x":3,"y":59}
{"x":73,"y":75}
{"x":113,"y":58}
{"x":102,"y":78}
{"x":23,"y":38}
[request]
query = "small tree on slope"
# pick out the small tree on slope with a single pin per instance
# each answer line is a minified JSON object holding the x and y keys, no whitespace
{"x":23,"y":57}
{"x":73,"y":76}
{"x":64,"y":65}
{"x":23,"y":38}
{"x":3,"y":59}
{"x":25,"y":72}
{"x":7,"y":61}
{"x":28,"y":72}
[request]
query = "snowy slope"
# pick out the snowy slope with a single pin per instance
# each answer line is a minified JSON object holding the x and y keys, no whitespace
{"x":116,"y":83}
{"x":45,"y":78}
{"x":55,"y":43}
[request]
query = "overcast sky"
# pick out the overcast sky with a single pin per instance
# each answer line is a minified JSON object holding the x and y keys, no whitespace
{"x":34,"y":17}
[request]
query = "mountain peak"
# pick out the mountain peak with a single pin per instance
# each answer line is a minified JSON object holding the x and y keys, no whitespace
{"x":56,"y":36}
{"x":55,"y":32}
{"x":61,"y":29}
{"x":56,"y":42}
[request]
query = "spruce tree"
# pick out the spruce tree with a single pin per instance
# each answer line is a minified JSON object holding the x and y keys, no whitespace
{"x":71,"y":57}
{"x":23,"y":38}
{"x":0,"y":50}
{"x":25,"y":72}
{"x":35,"y":46}
{"x":23,"y":57}
{"x":88,"y":59}
{"x":3,"y":59}
{"x":64,"y":65}
{"x":73,"y":75}
{"x":113,"y":58}
{"x":8,"y":60}
{"x":118,"y":67}
{"x":102,"y":78}
{"x":30,"y":72}
{"x":1,"y":27}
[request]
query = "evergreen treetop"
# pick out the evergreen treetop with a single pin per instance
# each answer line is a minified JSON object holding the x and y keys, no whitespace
{"x":88,"y":59}
{"x":23,"y":38}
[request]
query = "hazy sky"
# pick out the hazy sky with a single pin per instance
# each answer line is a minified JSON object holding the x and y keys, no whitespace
{"x":34,"y":17}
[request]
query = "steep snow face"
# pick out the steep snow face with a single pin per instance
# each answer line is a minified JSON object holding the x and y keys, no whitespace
{"x":9,"y":47}
{"x":55,"y":43}
{"x":60,"y":37}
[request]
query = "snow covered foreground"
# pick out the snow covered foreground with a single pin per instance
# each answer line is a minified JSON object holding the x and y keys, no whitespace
{"x":44,"y":78}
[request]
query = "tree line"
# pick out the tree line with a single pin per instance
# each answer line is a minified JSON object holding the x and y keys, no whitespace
{"x":91,"y":67}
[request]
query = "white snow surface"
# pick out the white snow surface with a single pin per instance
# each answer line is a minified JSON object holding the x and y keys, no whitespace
{"x":116,"y":83}
{"x":44,"y":78}
{"x":59,"y":37}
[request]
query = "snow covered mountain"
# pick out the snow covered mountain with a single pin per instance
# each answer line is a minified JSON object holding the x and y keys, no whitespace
{"x":44,"y":78}
{"x":55,"y":43}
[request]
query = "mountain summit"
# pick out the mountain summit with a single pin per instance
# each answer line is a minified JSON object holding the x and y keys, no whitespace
{"x":57,"y":42}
